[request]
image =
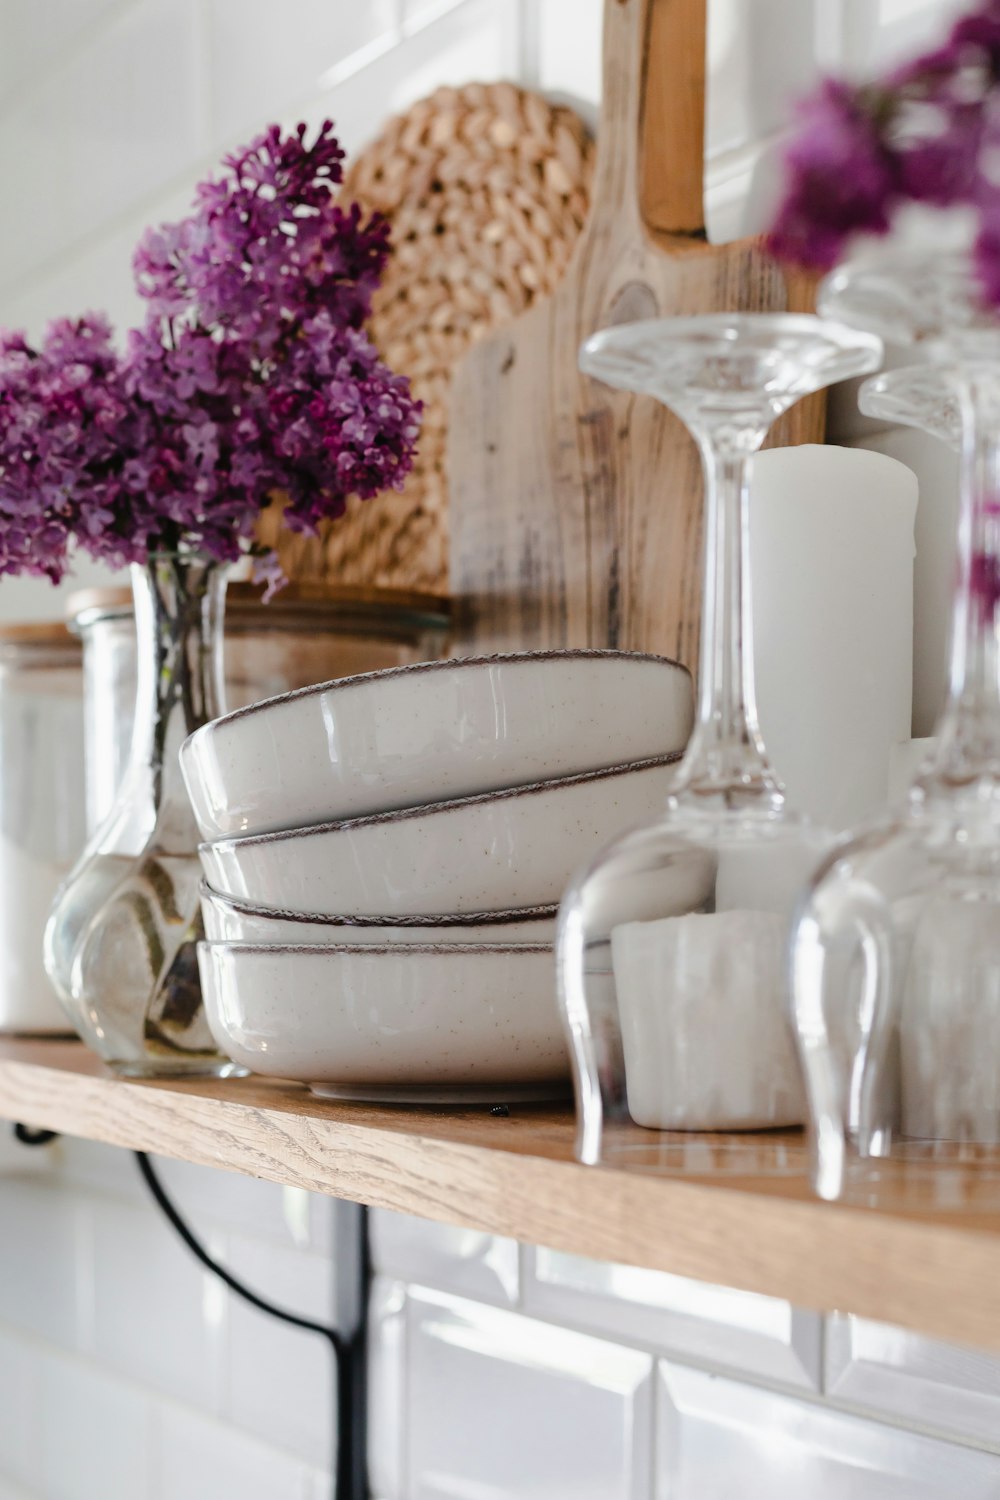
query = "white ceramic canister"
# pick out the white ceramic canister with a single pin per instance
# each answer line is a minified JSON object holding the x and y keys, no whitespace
{"x":42,"y":810}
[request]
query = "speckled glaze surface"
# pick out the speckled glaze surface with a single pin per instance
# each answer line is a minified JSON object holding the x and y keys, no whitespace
{"x":230,"y":922}
{"x":386,"y":1019}
{"x":434,"y":730}
{"x":478,"y":854}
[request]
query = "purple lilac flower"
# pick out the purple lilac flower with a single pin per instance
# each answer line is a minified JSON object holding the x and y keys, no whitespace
{"x":267,"y":246}
{"x":984,"y":584}
{"x":927,"y":132}
{"x":842,"y":177}
{"x":60,"y":411}
{"x":251,"y":377}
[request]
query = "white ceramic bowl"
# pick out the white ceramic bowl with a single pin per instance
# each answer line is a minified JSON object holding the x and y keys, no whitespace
{"x":489,"y":853}
{"x":229,"y":921}
{"x":395,"y":1024}
{"x":431,"y":731}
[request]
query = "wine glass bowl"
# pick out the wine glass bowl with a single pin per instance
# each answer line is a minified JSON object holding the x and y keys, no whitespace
{"x":895,"y":953}
{"x":927,"y":397}
{"x":671,"y":944}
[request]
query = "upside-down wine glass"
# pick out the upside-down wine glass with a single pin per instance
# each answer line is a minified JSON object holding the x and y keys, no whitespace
{"x":896,"y":950}
{"x":671,"y":945}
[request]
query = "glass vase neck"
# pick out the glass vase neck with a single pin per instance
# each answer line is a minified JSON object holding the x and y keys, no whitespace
{"x":179,"y":602}
{"x":969,"y":730}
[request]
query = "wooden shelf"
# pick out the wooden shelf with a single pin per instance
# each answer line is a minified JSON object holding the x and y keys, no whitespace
{"x":932,"y":1271}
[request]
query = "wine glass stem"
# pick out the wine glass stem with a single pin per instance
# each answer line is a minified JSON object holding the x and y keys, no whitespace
{"x":969,"y":734}
{"x":726,"y":750}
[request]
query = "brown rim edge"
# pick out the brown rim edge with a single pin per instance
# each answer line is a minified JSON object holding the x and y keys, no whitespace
{"x":407,"y":950}
{"x":456,"y":919}
{"x":337,"y":683}
{"x":428,"y":809}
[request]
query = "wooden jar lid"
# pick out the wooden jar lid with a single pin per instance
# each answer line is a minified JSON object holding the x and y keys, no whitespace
{"x":38,"y":633}
{"x":378,"y":609}
{"x":32,"y":646}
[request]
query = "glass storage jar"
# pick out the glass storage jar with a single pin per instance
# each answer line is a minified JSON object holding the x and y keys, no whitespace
{"x":308,"y":633}
{"x":42,"y":811}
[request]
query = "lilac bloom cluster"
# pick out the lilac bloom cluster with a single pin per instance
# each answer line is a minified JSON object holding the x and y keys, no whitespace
{"x":252,"y":377}
{"x":61,"y":410}
{"x":928,"y":132}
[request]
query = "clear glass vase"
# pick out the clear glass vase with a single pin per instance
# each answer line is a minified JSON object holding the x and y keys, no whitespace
{"x":121,"y":941}
{"x":896,"y":950}
{"x":671,"y":945}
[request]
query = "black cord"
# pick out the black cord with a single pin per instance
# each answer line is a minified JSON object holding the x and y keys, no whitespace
{"x":350,"y":1470}
{"x":29,"y":1136}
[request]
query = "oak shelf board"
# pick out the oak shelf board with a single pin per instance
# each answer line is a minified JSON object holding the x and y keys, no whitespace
{"x":933,"y":1272}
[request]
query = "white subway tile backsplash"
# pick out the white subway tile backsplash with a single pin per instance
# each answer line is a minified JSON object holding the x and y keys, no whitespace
{"x":716,"y":1438}
{"x":18,"y":1160}
{"x":319,"y":1486}
{"x":44,"y":1236}
{"x":35,"y":36}
{"x":417,"y":13}
{"x":257,"y":56}
{"x":567,"y":50}
{"x":289,"y":1216}
{"x":752,"y":83}
{"x":879,"y":33}
{"x":500,"y":1405}
{"x":94,"y":276}
{"x":891,"y":1372}
{"x":158,"y":1317}
{"x":93,"y":1167}
{"x":279,"y":1382}
{"x":466,"y":1261}
{"x":761,"y":1336}
{"x":476,"y":40}
{"x":95,"y":1435}
{"x":387,"y":1368}
{"x":20,"y":1409}
{"x":107,"y":128}
{"x":196,"y":1459}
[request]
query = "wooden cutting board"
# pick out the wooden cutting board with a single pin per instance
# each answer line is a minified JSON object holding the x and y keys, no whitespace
{"x":575,"y":510}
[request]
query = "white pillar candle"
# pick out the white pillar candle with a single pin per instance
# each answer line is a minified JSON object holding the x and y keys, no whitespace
{"x":936,"y":468}
{"x":831,"y":548}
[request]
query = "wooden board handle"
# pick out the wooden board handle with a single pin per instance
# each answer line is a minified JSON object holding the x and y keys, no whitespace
{"x":651,"y":141}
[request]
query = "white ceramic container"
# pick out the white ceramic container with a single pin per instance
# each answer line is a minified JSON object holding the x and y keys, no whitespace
{"x":428,"y":732}
{"x":393,"y":1024}
{"x":490,"y":853}
{"x":228,"y":921}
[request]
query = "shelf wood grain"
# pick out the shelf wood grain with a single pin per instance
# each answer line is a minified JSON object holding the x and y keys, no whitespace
{"x":927,"y":1269}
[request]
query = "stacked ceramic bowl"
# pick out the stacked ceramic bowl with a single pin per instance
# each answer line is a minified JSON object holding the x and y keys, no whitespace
{"x":384,"y":854}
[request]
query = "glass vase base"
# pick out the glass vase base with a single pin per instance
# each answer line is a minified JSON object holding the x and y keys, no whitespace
{"x":194,"y":1067}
